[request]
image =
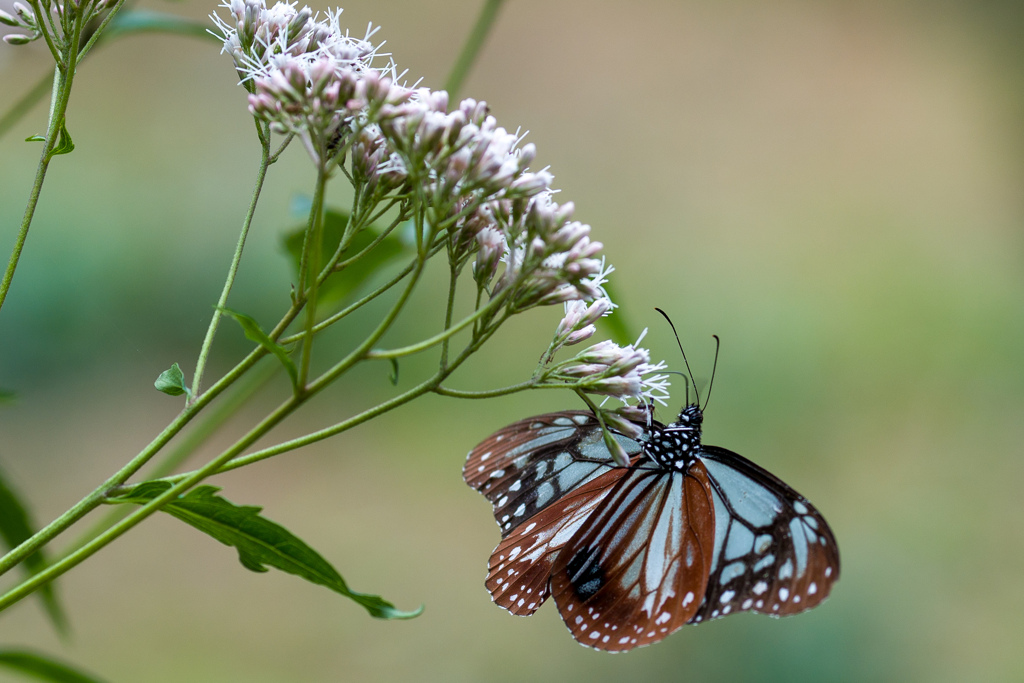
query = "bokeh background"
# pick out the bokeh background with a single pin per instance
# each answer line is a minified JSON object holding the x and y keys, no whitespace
{"x":835,"y":188}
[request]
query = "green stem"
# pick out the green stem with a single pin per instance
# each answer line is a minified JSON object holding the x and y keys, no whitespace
{"x":432,"y":384}
{"x":96,"y":498}
{"x":361,"y":351}
{"x":58,"y":107}
{"x":505,"y":391}
{"x":327,"y":322}
{"x":93,"y":499}
{"x":327,"y":432}
{"x":211,"y":421}
{"x":73,"y":559}
{"x":98,"y":33}
{"x":211,"y":331}
{"x":453,"y":279}
{"x":440,"y":337}
{"x":311,"y":258}
{"x":471,"y":48}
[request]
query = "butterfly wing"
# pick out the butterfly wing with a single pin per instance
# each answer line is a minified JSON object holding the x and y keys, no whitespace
{"x":532,"y":463}
{"x":774,"y":553}
{"x":544,"y":476}
{"x":520,"y":567}
{"x":638,"y":566}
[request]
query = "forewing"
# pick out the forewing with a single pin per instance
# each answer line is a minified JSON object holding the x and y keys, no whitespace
{"x":774,"y":553}
{"x":520,"y":567}
{"x":531,"y":464}
{"x":637,"y":568}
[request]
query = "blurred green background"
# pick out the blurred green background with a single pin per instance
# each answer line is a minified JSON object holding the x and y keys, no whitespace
{"x":835,"y":188}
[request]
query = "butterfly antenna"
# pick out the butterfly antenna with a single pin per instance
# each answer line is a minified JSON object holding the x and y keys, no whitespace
{"x":718,"y":344}
{"x":696,"y":393}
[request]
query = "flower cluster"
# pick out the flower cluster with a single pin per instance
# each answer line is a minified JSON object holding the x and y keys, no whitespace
{"x":609,"y":370}
{"x":24,"y":18}
{"x":623,"y":372}
{"x":308,"y":78}
{"x":305,"y":76}
{"x":470,"y":178}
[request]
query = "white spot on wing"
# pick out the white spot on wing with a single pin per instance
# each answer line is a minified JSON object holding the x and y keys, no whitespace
{"x":766,"y":561}
{"x":731,"y":571}
{"x":786,"y":570}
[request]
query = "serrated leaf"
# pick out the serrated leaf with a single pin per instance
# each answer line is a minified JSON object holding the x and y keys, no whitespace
{"x":15,"y":528}
{"x":341,"y":284}
{"x":260,"y":542}
{"x":253,"y":332}
{"x":172,"y":382}
{"x":44,"y":668}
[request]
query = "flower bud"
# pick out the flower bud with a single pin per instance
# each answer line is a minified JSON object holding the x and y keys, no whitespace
{"x":616,"y":421}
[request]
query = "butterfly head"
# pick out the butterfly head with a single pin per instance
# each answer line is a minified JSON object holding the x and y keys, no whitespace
{"x":676,"y":446}
{"x":691,"y":416}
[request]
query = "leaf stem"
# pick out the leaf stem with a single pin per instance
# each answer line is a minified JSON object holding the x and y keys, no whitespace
{"x":211,"y":331}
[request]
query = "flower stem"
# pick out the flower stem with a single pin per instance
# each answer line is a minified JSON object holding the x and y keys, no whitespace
{"x":441,"y":337}
{"x":78,"y":556}
{"x":309,"y":280}
{"x":471,"y":49}
{"x":211,"y":331}
{"x":211,"y":421}
{"x":62,"y":81}
{"x":93,"y":499}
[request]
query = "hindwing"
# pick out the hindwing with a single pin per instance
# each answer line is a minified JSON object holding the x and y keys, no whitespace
{"x":774,"y":553}
{"x":638,"y":566}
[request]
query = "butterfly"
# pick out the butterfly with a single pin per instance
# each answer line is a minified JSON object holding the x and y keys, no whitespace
{"x":683,"y":534}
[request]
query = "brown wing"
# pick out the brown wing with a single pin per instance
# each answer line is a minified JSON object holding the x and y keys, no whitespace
{"x":532,"y":463}
{"x":637,"y":568}
{"x":774,"y":552}
{"x":520,"y":567}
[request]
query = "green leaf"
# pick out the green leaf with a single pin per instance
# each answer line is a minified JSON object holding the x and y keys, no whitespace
{"x":341,"y":284}
{"x":260,"y":542}
{"x":35,"y":138}
{"x":15,"y":528}
{"x":43,"y":668}
{"x":145,"y":21}
{"x":253,"y":332}
{"x":64,"y":143}
{"x":172,"y":382}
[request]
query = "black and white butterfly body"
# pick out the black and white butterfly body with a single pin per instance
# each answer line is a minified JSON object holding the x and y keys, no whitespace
{"x":684,"y":534}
